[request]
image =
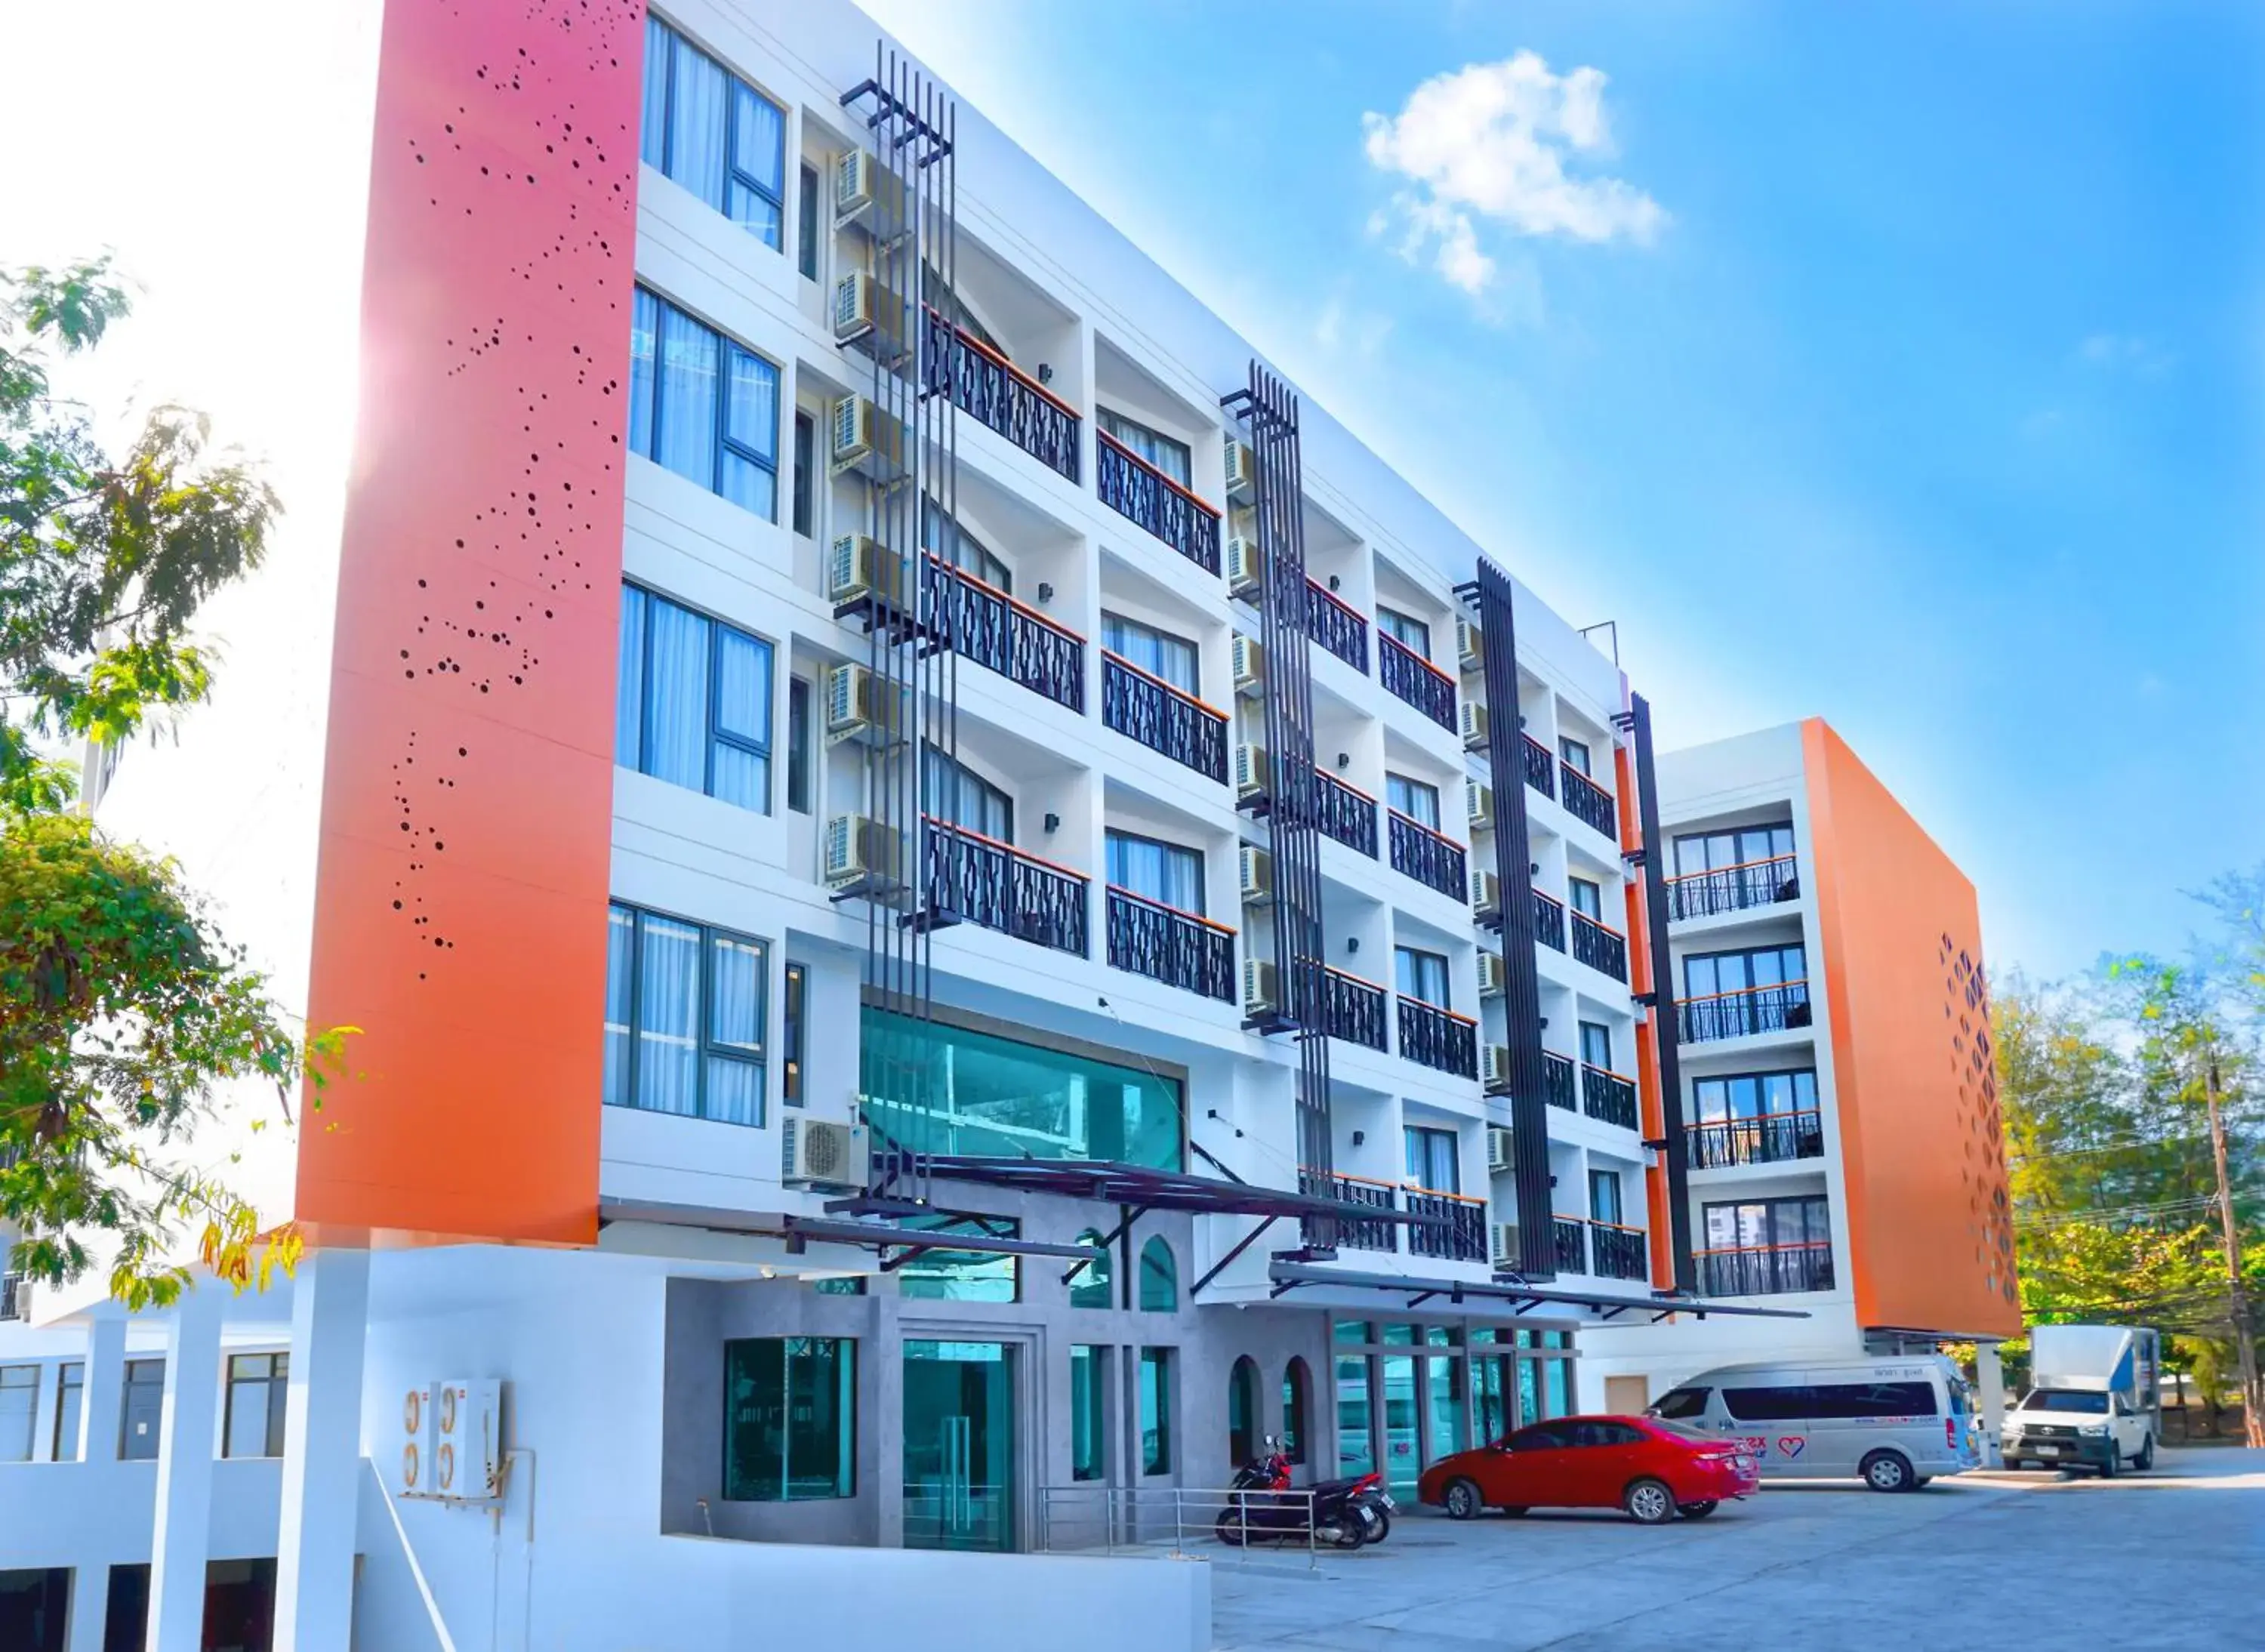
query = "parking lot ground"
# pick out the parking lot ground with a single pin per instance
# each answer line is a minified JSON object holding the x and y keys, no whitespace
{"x":2167,"y":1559}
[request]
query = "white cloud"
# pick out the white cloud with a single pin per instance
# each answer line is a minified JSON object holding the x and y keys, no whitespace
{"x":1492,"y":140}
{"x":2129,"y":351}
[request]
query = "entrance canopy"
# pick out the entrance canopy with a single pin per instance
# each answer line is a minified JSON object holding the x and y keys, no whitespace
{"x":1151,"y":1189}
{"x":1509,"y":1297}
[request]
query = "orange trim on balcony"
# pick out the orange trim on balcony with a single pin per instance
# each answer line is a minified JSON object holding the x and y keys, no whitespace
{"x":1192,"y":497}
{"x":1740,"y":866}
{"x":1451,"y":1015}
{"x":1176,"y":692}
{"x":1333,"y":599}
{"x":1462,"y":849}
{"x":1336,"y":780}
{"x":1177,"y":911}
{"x":999,"y":360}
{"x":969,"y":832}
{"x":1386,"y":638}
{"x":988,"y":589}
{"x":1440,"y":1193}
{"x":1358,"y":980}
{"x":1743,"y":992}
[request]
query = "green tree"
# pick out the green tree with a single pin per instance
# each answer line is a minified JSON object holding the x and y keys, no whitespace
{"x":124,"y":1013}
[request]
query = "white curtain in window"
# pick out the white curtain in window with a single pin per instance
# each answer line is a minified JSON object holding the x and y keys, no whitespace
{"x":738,"y":973}
{"x":668,"y":1018}
{"x":759,"y":134}
{"x":676,"y":706}
{"x":686,"y":410}
{"x":698,"y":90}
{"x":1165,"y":872}
{"x":1418,"y":802}
{"x":645,"y":321}
{"x":743,"y":711}
{"x":653,"y":144}
{"x":621,"y":956}
{"x":1159,"y":653}
{"x":751,"y":423}
{"x":629,"y":686}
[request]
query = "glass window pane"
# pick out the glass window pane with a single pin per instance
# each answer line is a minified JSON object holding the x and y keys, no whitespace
{"x":1090,"y":1289}
{"x":1160,"y":1278}
{"x":621,"y":953}
{"x":1088,"y":1426}
{"x":629,"y":688}
{"x":653,"y":134}
{"x":962,"y":1275}
{"x":750,"y":417}
{"x":668,"y":1005}
{"x":1155,"y":1410}
{"x":743,"y":687}
{"x":736,"y":983}
{"x":742,"y":778}
{"x":696,"y":113}
{"x":685,"y":405}
{"x":1295,"y":1384}
{"x":645,"y":324}
{"x":1443,"y":1384}
{"x":19,"y":1408}
{"x":806,"y":203}
{"x":676,"y":702}
{"x":70,"y":1392}
{"x":750,"y":486}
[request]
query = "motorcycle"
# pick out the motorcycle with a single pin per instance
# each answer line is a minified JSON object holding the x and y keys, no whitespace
{"x":1345,"y":1513}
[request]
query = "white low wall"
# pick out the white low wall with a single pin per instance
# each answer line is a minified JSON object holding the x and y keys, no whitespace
{"x":103,"y":1514}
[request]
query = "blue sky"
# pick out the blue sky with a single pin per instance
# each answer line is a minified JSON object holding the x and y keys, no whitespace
{"x":1898,"y":364}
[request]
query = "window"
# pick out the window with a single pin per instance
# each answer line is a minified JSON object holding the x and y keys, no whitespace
{"x":1576,"y":753}
{"x":790,"y":1419}
{"x":1408,"y":631}
{"x":798,"y":989}
{"x":1421,"y":975}
{"x":1090,"y":1287}
{"x":257,"y":1387}
{"x":1595,"y":1432}
{"x":1297,"y":1384}
{"x":1679,"y":1404}
{"x":963,"y":1276}
{"x":1757,"y":1224}
{"x":806,"y":223}
{"x":942,"y":535}
{"x":1852,"y":1400}
{"x":693,"y":703}
{"x":1588,"y":896}
{"x":1161,"y":654}
{"x":1432,"y":1162}
{"x":1243,"y":1412}
{"x":1542,"y":1436}
{"x":805,"y":475}
{"x":1155,"y":1410}
{"x":1165,"y":872}
{"x":71,"y":1399}
{"x":142,"y":1409}
{"x":1597,"y":1045}
{"x":1355,"y":1333}
{"x":797,"y":745}
{"x":1754,"y":1095}
{"x":686,"y":1006}
{"x":713,"y":133}
{"x":1088,"y":1413}
{"x":1714,"y":851}
{"x":1770,"y":1405}
{"x":1708,"y":973}
{"x":20,"y":1409}
{"x":1168,"y":454}
{"x":2080,"y":1402}
{"x":841,"y":1285}
{"x":1160,"y":1278}
{"x":703,"y":405}
{"x":1605,"y":1196}
{"x":1355,"y":1440}
{"x":1415,"y":799}
{"x":957,"y":793}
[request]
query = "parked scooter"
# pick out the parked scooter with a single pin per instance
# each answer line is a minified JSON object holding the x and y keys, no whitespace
{"x":1345,"y":1513}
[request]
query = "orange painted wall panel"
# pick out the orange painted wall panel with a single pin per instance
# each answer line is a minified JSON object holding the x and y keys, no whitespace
{"x":1927,"y":1210}
{"x":468,"y":782}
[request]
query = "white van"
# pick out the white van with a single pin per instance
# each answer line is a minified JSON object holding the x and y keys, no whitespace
{"x":1895,"y":1423}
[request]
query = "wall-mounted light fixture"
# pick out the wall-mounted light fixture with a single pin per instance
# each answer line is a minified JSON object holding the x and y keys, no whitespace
{"x":1534,"y":868}
{"x":1054,"y":822}
{"x":1045,"y":593}
{"x":1046,"y":374}
{"x":1359,"y":1136}
{"x":1352,"y":943}
{"x":1335,"y":582}
{"x":1344,"y":759}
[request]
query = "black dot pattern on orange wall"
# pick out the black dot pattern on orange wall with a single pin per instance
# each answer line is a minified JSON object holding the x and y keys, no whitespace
{"x":1966,"y":1006}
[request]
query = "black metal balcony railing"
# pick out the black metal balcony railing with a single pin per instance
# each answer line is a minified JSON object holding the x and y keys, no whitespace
{"x":1741,"y":1014}
{"x":1618,"y":1253}
{"x":1768,"y":1138}
{"x":1733,"y":888}
{"x":981,"y":880}
{"x":1351,"y":1232}
{"x":1600,"y":948}
{"x":1166,"y":944}
{"x":1352,"y":1010}
{"x":1143,"y":495}
{"x":1550,"y":920}
{"x":1439,"y":1038}
{"x":1588,"y":802}
{"x":1766,"y":1269}
{"x":1606,"y":1095}
{"x":1431,"y":859}
{"x":1571,"y":1235}
{"x":985,"y":384}
{"x":1464,"y":1236}
{"x":1336,"y":625}
{"x":1560,"y":1088}
{"x":979,"y":622}
{"x":1540,"y":767}
{"x":1344,"y":812}
{"x":1161,"y":717}
{"x":1407,"y":675}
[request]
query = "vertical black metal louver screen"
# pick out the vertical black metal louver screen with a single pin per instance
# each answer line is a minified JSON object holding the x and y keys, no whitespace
{"x":1662,"y":987}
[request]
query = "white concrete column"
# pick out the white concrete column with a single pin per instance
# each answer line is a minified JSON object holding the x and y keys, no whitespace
{"x":322,"y":1453}
{"x":100,"y":1405}
{"x":180,"y":1544}
{"x":1992,"y":1384}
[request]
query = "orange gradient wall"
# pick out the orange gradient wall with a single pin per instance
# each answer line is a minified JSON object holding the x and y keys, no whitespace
{"x":1927,"y":1213}
{"x":466,"y":815}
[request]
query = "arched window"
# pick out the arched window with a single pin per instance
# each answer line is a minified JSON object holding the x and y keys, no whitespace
{"x":1091,"y":1288}
{"x":1160,"y":1278}
{"x":1296,"y":1384}
{"x":1242,"y":1411}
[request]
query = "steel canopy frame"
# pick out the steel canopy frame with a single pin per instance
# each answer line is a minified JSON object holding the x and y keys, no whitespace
{"x":1291,"y":1275}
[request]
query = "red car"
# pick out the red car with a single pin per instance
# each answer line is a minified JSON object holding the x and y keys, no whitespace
{"x":1650,"y":1468}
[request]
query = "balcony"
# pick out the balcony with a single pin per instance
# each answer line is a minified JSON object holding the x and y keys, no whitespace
{"x":1347,"y":1232}
{"x":1145,"y":496}
{"x":1337,"y":626}
{"x":1431,"y":859}
{"x":1733,"y":888}
{"x":1766,"y":1269}
{"x":1408,"y":676}
{"x":1768,"y":1138}
{"x":1618,"y":1253}
{"x":1589,"y":803}
{"x":1161,"y":717}
{"x":1550,"y":920}
{"x":1558,"y":1086}
{"x":1741,"y":1014}
{"x":1600,"y":948}
{"x":1463,"y":1238}
{"x":1571,"y":1237}
{"x":980,"y":622}
{"x":1606,"y":1095}
{"x":1439,"y":1038}
{"x":979,"y":880}
{"x":1179,"y":949}
{"x":1344,"y":812}
{"x":987,"y":386}
{"x":1540,"y":767}
{"x":1352,"y":1010}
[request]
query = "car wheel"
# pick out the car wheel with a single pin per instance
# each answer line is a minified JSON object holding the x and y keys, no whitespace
{"x":2145,"y":1459}
{"x":1463,"y":1501}
{"x":1887,"y":1471}
{"x":1649,"y":1502}
{"x":2108,"y":1469}
{"x":1696,"y":1510}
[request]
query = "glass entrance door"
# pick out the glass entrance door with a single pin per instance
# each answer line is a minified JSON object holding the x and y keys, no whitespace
{"x":959,"y":1445}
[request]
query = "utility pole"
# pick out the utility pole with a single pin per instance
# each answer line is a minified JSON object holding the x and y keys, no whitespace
{"x":2244,"y":1342}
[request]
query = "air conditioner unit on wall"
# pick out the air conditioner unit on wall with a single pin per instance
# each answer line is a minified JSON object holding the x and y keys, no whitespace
{"x":1250,"y":771}
{"x":860,"y":707}
{"x":817,"y":1153}
{"x":1470,"y":646}
{"x":860,"y":185}
{"x":1241,"y":469}
{"x":1502,"y":1148}
{"x":859,"y":568}
{"x":1246,"y":568}
{"x":1494,"y":1066}
{"x":1478,"y":804}
{"x":1504,"y":1251}
{"x":1491,"y":974}
{"x":868,"y":309}
{"x":1474,"y":718}
{"x":1249,"y":661}
{"x":468,"y":1439}
{"x":858,"y":850}
{"x":417,"y":1440}
{"x":1260,"y":995}
{"x":864,"y":439}
{"x":1486,"y":892}
{"x":1257,"y":875}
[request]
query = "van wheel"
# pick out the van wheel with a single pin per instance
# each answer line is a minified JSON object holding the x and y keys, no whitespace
{"x":1649,"y":1502}
{"x":1887,"y":1471}
{"x":1463,"y":1500}
{"x":2145,"y":1459}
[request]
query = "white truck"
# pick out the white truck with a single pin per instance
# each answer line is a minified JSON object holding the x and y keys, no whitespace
{"x":2096,"y":1399}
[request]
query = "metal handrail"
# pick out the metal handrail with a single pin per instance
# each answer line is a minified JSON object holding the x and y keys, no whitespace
{"x":1178,"y":1520}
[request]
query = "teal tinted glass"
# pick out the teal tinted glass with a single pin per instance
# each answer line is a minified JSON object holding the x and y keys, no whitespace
{"x":789,"y":1425}
{"x":961,"y":1276}
{"x":1089,"y":1431}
